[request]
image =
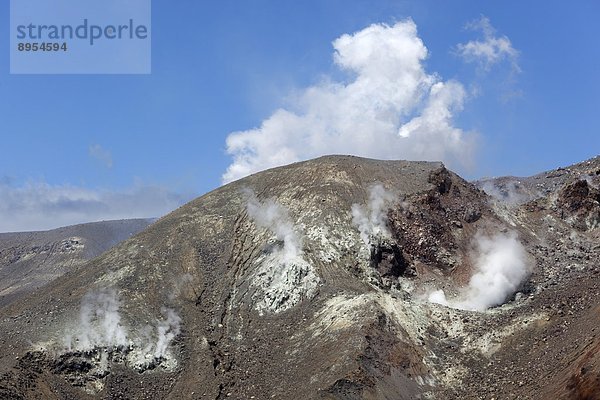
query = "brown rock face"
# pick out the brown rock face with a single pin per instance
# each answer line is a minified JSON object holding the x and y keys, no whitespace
{"x":580,"y":202}
{"x":436,"y":225}
{"x":576,"y":195}
{"x":388,"y":260}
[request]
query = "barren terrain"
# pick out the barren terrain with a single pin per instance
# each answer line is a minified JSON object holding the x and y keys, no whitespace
{"x":316,"y":280}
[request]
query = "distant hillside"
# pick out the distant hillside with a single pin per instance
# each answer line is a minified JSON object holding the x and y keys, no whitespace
{"x":29,"y":260}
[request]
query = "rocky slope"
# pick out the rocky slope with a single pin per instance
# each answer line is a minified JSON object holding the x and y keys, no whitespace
{"x":335,"y":278}
{"x":29,"y":260}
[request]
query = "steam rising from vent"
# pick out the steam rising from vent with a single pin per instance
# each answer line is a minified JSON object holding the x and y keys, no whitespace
{"x":100,"y":327}
{"x":371,"y":219}
{"x":274,"y":217}
{"x":509,"y":193}
{"x":282,"y":276}
{"x":501,"y":266}
{"x":99,"y":322}
{"x":167,"y":330}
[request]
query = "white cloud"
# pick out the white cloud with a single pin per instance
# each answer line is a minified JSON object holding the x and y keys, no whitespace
{"x":392,"y":108}
{"x":40,"y":206}
{"x":101,"y":154}
{"x":491,"y":50}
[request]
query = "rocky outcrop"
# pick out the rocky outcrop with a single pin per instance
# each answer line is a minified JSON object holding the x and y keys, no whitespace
{"x":579,"y":203}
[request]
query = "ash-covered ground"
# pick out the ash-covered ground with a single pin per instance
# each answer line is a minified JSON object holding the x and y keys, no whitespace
{"x":335,"y":278}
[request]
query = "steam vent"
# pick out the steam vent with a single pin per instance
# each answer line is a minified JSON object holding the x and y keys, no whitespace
{"x":334,"y":278}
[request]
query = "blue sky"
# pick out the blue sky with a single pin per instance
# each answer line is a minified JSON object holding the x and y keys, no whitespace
{"x":151,"y":142}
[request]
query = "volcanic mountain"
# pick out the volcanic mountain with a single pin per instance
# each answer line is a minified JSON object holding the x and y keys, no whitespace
{"x":335,"y":278}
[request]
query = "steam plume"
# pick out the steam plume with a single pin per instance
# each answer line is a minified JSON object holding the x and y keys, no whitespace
{"x":508,"y":193}
{"x":501,"y":263}
{"x":100,"y":327}
{"x":283,"y":277}
{"x":274,"y":217}
{"x":371,"y":219}
{"x":99,"y":321}
{"x":167,"y":329}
